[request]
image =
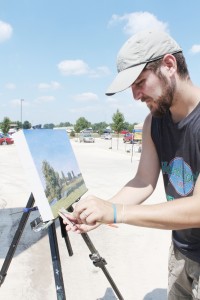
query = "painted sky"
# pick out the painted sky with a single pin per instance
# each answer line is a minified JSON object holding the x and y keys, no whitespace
{"x":60,"y":56}
{"x":54,"y":147}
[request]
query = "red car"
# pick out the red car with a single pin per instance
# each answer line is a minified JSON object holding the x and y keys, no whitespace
{"x":128,"y":138}
{"x":125,"y":131}
{"x":6,"y":139}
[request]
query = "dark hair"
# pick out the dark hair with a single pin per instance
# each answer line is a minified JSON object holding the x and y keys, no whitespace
{"x":182,"y":69}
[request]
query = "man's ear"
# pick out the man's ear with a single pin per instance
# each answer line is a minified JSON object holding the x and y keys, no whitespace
{"x":169,"y":61}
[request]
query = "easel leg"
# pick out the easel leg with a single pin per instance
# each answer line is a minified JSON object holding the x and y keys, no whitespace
{"x":65,"y":235}
{"x":100,"y":262}
{"x":60,"y":290}
{"x":15,"y":240}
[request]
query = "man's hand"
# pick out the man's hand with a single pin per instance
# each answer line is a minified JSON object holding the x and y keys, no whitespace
{"x":77,"y":226}
{"x":92,"y":211}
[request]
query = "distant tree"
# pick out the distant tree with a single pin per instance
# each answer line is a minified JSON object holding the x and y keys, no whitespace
{"x":99,"y":127}
{"x":60,"y":125}
{"x":72,"y":133}
{"x":81,"y":124}
{"x":49,"y":126}
{"x":64,"y":124}
{"x":26,"y":125}
{"x":38,"y":126}
{"x":19,"y":124}
{"x":126,"y":125}
{"x":131,"y":127}
{"x":5,"y":125}
{"x":118,"y":123}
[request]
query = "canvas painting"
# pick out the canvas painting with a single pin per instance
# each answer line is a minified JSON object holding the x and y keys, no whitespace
{"x":51,"y":168}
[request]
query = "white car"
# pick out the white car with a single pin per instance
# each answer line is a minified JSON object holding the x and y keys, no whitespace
{"x":86,"y":138}
{"x":106,"y":136}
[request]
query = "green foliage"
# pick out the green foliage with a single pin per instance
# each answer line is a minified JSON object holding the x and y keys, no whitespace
{"x":26,"y":125}
{"x":131,"y":127}
{"x":18,"y":123}
{"x":99,"y":127}
{"x":126,"y":125}
{"x":64,"y":124}
{"x":118,"y":121}
{"x":49,"y":126}
{"x":53,"y":181}
{"x":81,"y":124}
{"x":5,"y":125}
{"x":72,"y":133}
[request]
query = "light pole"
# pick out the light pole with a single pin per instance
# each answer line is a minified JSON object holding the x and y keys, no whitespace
{"x":21,"y":111}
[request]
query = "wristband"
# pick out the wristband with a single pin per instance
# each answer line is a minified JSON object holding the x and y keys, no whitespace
{"x":115,"y":213}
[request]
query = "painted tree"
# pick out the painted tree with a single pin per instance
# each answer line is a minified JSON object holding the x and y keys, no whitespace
{"x":53,"y":181}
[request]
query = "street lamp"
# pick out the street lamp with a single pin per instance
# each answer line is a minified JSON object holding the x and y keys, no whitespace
{"x":21,"y":111}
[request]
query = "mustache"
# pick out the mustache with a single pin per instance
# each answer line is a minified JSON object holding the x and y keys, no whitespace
{"x":144,"y":99}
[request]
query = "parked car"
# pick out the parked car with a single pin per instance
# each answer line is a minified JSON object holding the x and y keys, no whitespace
{"x":5,"y":139}
{"x":106,"y":136}
{"x":128,"y":138}
{"x":12,"y":130}
{"x":87,"y":130}
{"x":125,"y":131}
{"x":86,"y":138}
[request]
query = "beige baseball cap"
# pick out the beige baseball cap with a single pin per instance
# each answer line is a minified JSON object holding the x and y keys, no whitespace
{"x":140,"y":49}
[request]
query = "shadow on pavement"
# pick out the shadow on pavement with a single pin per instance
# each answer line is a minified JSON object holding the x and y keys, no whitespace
{"x":9,"y":222}
{"x":157,"y":294}
{"x":109,"y":295}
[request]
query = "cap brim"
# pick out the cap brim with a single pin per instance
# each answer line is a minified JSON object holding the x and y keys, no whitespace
{"x":124,"y":79}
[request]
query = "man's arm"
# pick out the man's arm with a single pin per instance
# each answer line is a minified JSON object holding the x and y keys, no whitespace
{"x":178,"y":214}
{"x":138,"y":189}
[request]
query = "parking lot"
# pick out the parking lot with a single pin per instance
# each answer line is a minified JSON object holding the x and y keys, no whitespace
{"x":114,"y":145}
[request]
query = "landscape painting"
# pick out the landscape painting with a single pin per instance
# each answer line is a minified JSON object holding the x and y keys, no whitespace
{"x":51,"y":168}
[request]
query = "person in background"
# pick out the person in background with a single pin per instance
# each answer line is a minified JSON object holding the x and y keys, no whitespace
{"x":152,"y":65}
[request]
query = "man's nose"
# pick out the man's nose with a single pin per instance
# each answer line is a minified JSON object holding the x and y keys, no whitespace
{"x":137,"y":95}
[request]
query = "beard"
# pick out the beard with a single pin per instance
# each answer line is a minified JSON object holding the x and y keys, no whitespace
{"x":163,"y":103}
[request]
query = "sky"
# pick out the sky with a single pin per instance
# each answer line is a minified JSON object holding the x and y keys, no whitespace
{"x":58,"y":57}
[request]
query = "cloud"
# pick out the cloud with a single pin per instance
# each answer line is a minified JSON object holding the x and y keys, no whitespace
{"x":5,"y":31}
{"x":19,"y":102}
{"x":10,"y":86}
{"x":73,"y":67}
{"x":86,"y":97}
{"x":53,"y":85}
{"x":79,"y":67}
{"x":195,"y":49}
{"x":44,"y":99}
{"x":138,"y":21}
{"x":99,"y":72}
